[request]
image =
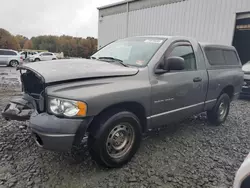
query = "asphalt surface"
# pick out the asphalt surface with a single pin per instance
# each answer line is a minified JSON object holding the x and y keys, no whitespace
{"x":189,"y":154}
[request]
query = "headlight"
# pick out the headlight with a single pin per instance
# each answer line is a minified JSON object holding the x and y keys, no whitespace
{"x":67,"y":108}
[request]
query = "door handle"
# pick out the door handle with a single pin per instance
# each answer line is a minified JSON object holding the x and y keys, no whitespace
{"x":197,"y":79}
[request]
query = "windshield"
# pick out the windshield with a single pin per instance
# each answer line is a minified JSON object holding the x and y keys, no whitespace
{"x":136,"y":51}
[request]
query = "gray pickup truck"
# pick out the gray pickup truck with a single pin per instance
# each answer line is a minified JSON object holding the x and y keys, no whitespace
{"x":127,"y":88}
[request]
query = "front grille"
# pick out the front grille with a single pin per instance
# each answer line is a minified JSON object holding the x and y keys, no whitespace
{"x":34,"y":86}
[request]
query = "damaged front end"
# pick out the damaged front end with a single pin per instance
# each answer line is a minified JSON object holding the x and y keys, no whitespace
{"x":21,"y":108}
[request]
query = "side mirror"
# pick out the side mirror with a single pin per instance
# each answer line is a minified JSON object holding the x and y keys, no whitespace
{"x":174,"y":63}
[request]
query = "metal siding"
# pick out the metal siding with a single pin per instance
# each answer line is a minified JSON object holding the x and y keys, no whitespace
{"x":206,"y":20}
{"x":111,"y":28}
{"x":120,"y":7}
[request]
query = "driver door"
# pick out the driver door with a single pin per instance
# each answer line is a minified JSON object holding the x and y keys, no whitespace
{"x":178,"y":94}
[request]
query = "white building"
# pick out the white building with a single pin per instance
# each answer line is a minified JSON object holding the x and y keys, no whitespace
{"x":217,"y":21}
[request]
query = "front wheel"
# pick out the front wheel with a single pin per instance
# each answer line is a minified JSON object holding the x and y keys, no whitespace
{"x":14,"y":63}
{"x":36,"y":60}
{"x":219,"y":113}
{"x":116,"y":139}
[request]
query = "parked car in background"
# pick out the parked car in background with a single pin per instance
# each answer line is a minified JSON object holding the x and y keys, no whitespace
{"x":26,"y":54}
{"x":246,"y":86}
{"x":10,"y":58}
{"x":127,"y":88}
{"x":242,"y":178}
{"x":43,"y":56}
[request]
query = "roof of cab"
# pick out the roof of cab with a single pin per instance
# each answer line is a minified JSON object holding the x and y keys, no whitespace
{"x":219,"y":46}
{"x":150,"y":36}
{"x":203,"y":44}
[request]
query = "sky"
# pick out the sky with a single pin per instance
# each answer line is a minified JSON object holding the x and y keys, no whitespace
{"x":51,"y":17}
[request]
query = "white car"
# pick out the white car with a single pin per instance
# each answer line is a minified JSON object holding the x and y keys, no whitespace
{"x":10,"y":58}
{"x":43,"y":56}
{"x":26,"y":55}
{"x":242,"y":178}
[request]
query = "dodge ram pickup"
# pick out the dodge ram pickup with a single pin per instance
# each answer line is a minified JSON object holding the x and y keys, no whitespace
{"x":127,"y":88}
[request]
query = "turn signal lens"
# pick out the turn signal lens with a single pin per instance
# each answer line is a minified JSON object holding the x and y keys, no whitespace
{"x":82,"y":109}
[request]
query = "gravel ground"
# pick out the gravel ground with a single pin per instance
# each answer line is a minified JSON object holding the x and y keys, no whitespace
{"x":190,"y":154}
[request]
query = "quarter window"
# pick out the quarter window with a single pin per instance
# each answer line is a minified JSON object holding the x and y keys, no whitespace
{"x":215,"y":56}
{"x":218,"y":56}
{"x":187,"y":53}
{"x":231,"y":57}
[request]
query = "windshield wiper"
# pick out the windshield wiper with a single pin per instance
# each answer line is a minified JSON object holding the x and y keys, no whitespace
{"x":113,"y":59}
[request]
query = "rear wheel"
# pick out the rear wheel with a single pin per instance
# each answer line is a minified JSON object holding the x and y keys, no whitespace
{"x":14,"y":63}
{"x":116,"y":139}
{"x":219,"y":113}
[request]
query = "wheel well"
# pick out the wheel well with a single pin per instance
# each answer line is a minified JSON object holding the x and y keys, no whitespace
{"x":229,"y":90}
{"x":133,"y":107}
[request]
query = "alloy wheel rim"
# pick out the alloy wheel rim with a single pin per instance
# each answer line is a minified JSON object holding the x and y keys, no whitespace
{"x":14,"y":63}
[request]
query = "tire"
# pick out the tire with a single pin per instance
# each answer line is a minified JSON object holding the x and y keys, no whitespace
{"x":36,"y":60}
{"x":54,"y":59}
{"x":14,"y":63}
{"x":219,"y":113}
{"x":115,"y":139}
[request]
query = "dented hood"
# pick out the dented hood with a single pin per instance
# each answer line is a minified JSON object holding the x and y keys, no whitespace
{"x":71,"y":69}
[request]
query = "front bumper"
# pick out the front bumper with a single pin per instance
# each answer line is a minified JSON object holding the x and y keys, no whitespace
{"x":57,"y":134}
{"x":245,"y":92}
{"x":54,"y":142}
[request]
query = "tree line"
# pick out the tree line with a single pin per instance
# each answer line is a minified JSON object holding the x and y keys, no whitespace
{"x":69,"y":45}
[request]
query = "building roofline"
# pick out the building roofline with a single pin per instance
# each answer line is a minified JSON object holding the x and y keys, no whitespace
{"x":121,"y":7}
{"x":115,"y":4}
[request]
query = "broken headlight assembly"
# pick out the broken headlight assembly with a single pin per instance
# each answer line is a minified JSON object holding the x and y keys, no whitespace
{"x":65,"y":107}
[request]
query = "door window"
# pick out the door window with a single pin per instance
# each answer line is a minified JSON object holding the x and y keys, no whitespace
{"x":47,"y":54}
{"x":187,"y":53}
{"x":9,"y":53}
